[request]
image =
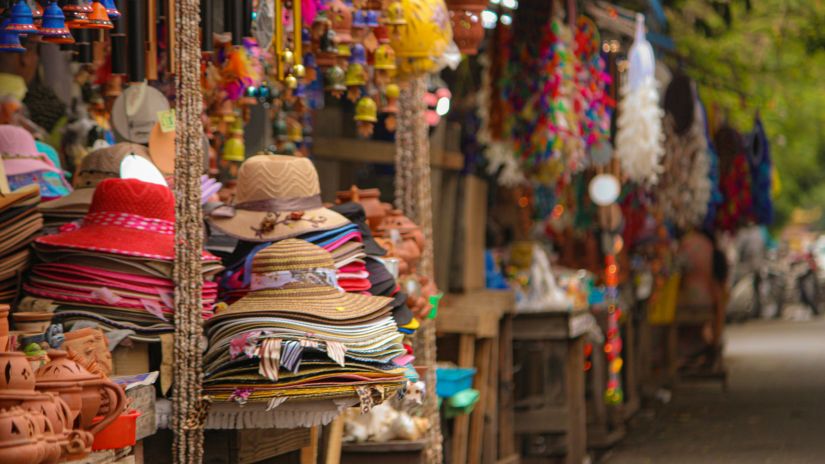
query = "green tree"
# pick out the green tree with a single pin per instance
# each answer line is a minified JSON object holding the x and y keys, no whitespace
{"x":766,"y":55}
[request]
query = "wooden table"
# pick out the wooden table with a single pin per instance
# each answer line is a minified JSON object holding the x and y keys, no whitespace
{"x":550,"y":413}
{"x":482,"y":321}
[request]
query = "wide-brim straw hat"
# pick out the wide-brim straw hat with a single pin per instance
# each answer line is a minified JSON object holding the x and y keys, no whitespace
{"x":278,"y":197}
{"x":308,"y":293}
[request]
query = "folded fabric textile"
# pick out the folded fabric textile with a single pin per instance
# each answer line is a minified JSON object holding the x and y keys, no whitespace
{"x":355,"y":213}
{"x":19,"y":225}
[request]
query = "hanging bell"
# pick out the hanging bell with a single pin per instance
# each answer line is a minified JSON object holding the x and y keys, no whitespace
{"x":395,"y":15}
{"x":366,"y":115}
{"x":334,"y":81}
{"x":359,"y":19}
{"x":311,"y":67}
{"x":385,"y":58}
{"x":99,"y":18}
{"x":234,"y":148}
{"x":372,"y":19}
{"x":366,"y":110}
{"x":10,"y":41}
{"x":111,"y":9}
{"x":392,"y":92}
{"x":76,"y":13}
{"x":356,"y":75}
{"x":54,"y":28}
{"x":358,"y":54}
{"x":21,"y":19}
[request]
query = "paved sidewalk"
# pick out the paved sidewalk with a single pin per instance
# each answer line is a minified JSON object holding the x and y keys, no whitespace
{"x":773,"y":412}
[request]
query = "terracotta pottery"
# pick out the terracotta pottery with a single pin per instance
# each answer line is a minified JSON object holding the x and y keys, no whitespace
{"x":50,"y":442}
{"x":468,"y":31}
{"x":64,"y":375}
{"x":91,"y":345}
{"x":4,"y":320}
{"x":32,"y":321}
{"x":16,"y":373}
{"x":370,"y":199}
{"x":18,"y":438}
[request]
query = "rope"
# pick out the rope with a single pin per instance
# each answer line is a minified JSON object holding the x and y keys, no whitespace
{"x":189,"y":408}
{"x":413,"y":195}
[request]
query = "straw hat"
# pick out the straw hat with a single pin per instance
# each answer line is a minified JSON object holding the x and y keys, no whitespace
{"x":127,"y":217}
{"x":19,"y":152}
{"x":297,"y":278}
{"x":278,"y":197}
{"x":96,"y":167}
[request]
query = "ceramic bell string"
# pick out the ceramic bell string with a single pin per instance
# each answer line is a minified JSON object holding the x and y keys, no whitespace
{"x":290,"y":61}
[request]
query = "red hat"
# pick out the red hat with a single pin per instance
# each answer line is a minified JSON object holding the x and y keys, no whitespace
{"x":126,"y":217}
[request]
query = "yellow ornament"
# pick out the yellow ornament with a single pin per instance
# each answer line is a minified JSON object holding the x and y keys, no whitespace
{"x":385,"y":58}
{"x":356,"y":75}
{"x":366,"y":110}
{"x":425,"y":37}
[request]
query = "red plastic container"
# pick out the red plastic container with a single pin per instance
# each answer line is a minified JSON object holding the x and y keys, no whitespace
{"x":119,"y":434}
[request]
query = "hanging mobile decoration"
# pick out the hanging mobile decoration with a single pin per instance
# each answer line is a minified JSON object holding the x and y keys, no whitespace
{"x":366,"y":115}
{"x":613,"y":394}
{"x":639,"y":138}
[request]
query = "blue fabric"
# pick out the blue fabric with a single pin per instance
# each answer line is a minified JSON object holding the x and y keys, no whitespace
{"x":759,"y":162}
{"x":716,"y":198}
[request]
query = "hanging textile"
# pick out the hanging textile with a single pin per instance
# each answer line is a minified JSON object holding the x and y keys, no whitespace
{"x":759,"y":162}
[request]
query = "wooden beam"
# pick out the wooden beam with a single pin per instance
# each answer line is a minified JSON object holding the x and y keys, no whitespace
{"x":376,"y":152}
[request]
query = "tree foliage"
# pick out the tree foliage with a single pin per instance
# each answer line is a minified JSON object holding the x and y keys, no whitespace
{"x":765,"y":55}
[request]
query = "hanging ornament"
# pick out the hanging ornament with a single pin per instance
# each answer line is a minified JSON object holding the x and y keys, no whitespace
{"x":53,"y":27}
{"x":639,"y":138}
{"x":343,"y":54}
{"x":391,"y":92}
{"x":37,"y":14}
{"x":366,"y":115}
{"x":99,"y":18}
{"x":465,"y":19}
{"x":310,"y":67}
{"x":21,"y":19}
{"x":234,"y":148}
{"x":394,"y":17}
{"x":334,"y":79}
{"x":340,"y":16}
{"x":356,"y":77}
{"x":384,"y":64}
{"x":423,"y":42}
{"x":77,"y":14}
{"x":10,"y":41}
{"x":111,"y":9}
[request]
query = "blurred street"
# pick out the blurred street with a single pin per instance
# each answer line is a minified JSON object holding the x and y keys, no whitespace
{"x":772,"y":412}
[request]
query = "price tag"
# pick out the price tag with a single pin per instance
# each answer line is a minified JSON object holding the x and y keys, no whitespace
{"x":166,"y":119}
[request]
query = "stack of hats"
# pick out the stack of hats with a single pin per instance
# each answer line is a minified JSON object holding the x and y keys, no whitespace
{"x":280,"y":197}
{"x":25,"y":165}
{"x":115,"y":267}
{"x":297,"y":336}
{"x":101,"y":164}
{"x":19,"y":224}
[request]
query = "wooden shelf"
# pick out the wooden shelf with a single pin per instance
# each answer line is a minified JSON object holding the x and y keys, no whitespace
{"x":369,"y":151}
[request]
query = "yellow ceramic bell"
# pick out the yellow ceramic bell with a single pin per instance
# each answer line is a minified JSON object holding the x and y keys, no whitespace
{"x":425,"y":37}
{"x":385,"y":58}
{"x":366,"y":110}
{"x":394,"y":15}
{"x":234,"y":148}
{"x":366,"y":115}
{"x":356,"y":75}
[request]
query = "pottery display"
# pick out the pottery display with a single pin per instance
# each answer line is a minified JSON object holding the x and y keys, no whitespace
{"x":91,"y":345}
{"x":15,"y":373}
{"x":86,"y":393}
{"x":36,"y":322}
{"x":406,"y":238}
{"x":370,"y":199}
{"x":19,"y":440}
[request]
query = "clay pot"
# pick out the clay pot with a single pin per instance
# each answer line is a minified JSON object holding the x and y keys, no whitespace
{"x":16,"y":373}
{"x":49,"y":441}
{"x":468,"y":31}
{"x":370,"y":199}
{"x":32,"y":321}
{"x":64,"y":376}
{"x":19,"y":442}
